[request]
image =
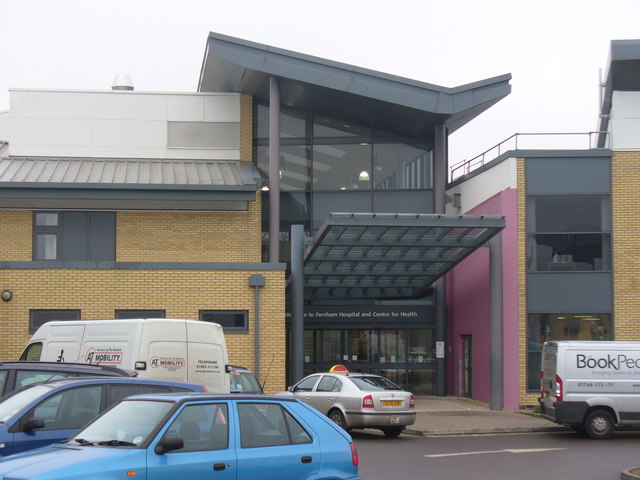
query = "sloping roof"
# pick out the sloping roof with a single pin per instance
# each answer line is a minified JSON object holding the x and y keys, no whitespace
{"x":185,"y":184}
{"x":373,"y":255}
{"x":385,"y":102}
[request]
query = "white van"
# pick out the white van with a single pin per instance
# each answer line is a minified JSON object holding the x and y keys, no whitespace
{"x":157,"y":348}
{"x":591,"y":386}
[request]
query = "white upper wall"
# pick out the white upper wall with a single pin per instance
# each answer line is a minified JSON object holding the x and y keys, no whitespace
{"x":483,"y":186}
{"x":624,"y":125}
{"x":4,"y":126}
{"x":124,"y":124}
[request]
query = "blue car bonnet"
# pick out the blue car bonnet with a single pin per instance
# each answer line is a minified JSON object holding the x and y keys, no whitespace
{"x":70,"y":461}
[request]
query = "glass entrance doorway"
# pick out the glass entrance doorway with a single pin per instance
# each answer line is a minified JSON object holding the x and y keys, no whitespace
{"x":405,"y":356}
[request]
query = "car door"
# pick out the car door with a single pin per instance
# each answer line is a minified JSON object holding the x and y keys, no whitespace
{"x":274,"y":444}
{"x":208,"y":451}
{"x":325,"y":393}
{"x":63,"y":412}
{"x":304,"y":388}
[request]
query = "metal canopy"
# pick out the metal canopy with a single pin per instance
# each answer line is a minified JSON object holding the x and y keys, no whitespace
{"x":375,"y":256}
{"x":357,"y":95}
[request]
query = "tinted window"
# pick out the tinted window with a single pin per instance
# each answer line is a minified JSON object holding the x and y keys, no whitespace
{"x":37,"y":318}
{"x":71,"y":408}
{"x":118,"y":392}
{"x":202,"y":427}
{"x":329,"y":384}
{"x":3,"y":379}
{"x":32,"y":352}
{"x":267,"y":424}
{"x":27,"y":377}
{"x":306,"y":385}
{"x":374,"y":383}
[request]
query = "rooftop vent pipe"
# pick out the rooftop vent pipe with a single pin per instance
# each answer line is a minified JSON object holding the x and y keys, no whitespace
{"x":122,"y":82}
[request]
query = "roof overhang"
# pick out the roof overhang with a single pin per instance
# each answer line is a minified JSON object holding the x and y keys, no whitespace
{"x":622,"y":75}
{"x":385,"y":256}
{"x":127,"y":184}
{"x":365,"y":97}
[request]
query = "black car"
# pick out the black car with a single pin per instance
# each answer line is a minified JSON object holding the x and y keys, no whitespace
{"x":15,"y":375}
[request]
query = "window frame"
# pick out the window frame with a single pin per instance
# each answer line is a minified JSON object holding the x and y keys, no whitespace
{"x":56,"y":314}
{"x":225,"y":328}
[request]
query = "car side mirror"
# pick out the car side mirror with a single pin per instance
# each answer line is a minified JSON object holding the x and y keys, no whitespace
{"x":290,"y":388}
{"x":32,"y":424}
{"x":169,"y":444}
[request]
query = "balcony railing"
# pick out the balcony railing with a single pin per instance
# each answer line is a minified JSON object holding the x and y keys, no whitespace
{"x":519,"y":141}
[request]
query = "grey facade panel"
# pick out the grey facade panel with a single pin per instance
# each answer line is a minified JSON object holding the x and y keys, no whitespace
{"x":568,"y":176}
{"x":569,"y":292}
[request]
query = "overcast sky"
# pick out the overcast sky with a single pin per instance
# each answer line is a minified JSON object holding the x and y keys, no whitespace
{"x":553,"y":48}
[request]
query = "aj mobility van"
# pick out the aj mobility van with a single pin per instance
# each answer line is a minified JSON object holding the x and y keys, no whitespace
{"x":161,"y":348}
{"x":591,"y":386}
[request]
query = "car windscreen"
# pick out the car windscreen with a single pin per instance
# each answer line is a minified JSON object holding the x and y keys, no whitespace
{"x":12,"y":404}
{"x":244,"y":382}
{"x":374,"y":383}
{"x":128,"y":423}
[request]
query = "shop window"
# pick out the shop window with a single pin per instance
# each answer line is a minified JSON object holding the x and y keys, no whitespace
{"x":37,"y":318}
{"x":79,"y":236}
{"x":545,"y":327}
{"x":232,"y":321}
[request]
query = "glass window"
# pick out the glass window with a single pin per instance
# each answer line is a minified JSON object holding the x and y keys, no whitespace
{"x":342,"y":167}
{"x":545,"y":327}
{"x":121,"y":314}
{"x":118,"y":392}
{"x":32,"y":353}
{"x":397,"y":166}
{"x":329,"y":384}
{"x":70,"y":409}
{"x":421,"y":345}
{"x":307,"y":384}
{"x":568,"y":233}
{"x":294,"y":168}
{"x":333,"y":345}
{"x":393,"y":346}
{"x":84,"y":236}
{"x":3,"y":380}
{"x":267,"y":424}
{"x":311,"y":346}
{"x":202,"y":427}
{"x":364,"y":346}
{"x":231,"y":320}
{"x":292,"y":125}
{"x":37,"y":318}
{"x":27,"y":377}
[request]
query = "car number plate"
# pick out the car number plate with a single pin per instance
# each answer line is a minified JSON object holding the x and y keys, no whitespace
{"x":394,"y":419}
{"x":391,"y":403}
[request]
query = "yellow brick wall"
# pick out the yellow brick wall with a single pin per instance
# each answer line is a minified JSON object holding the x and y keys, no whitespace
{"x":625,"y":171}
{"x":15,"y":236}
{"x":246,"y":128}
{"x":189,"y":236}
{"x":182,"y":293}
{"x":524,"y":397}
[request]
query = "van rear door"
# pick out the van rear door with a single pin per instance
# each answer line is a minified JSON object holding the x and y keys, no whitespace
{"x":207,"y":356}
{"x":548,"y":377}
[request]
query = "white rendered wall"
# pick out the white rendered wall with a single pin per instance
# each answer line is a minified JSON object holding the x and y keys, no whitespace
{"x":483,"y":186}
{"x":624,"y":126}
{"x":121,"y":124}
{"x":4,"y":126}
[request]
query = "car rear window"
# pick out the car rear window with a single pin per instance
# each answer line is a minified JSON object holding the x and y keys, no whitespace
{"x":374,"y":383}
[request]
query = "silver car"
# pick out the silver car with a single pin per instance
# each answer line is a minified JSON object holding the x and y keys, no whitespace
{"x":358,"y":400}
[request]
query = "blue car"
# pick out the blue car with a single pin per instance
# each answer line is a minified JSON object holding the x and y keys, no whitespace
{"x":197,"y":436}
{"x":49,"y":412}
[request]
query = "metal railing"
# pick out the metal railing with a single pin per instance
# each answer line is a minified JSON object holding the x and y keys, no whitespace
{"x":515,"y":141}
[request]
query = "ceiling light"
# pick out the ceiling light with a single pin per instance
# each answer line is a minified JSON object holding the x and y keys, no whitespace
{"x":364,"y":176}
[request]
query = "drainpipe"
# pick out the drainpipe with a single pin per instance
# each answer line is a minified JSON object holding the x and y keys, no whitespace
{"x":257,"y":280}
{"x":496,"y":345}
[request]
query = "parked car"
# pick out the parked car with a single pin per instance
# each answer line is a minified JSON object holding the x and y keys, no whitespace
{"x":242,"y":380}
{"x":358,"y":400}
{"x":15,"y":375}
{"x":197,"y":436}
{"x":48,"y":412}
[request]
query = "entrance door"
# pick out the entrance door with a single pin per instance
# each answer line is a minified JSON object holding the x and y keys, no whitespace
{"x":466,"y":365}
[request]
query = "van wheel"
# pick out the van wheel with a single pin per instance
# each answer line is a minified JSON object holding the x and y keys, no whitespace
{"x":599,"y":424}
{"x":337,"y":417}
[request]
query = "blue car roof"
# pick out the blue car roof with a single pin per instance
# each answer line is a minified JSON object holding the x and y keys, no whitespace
{"x":64,"y":382}
{"x":187,"y":396}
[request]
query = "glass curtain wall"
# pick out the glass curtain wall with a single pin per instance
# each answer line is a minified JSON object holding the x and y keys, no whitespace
{"x":327,"y":165}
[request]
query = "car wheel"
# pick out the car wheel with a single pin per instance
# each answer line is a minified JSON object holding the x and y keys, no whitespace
{"x":599,"y":424}
{"x":337,"y":417}
{"x":392,"y":432}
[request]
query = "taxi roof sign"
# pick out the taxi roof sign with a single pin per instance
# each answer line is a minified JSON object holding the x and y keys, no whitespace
{"x":339,"y":369}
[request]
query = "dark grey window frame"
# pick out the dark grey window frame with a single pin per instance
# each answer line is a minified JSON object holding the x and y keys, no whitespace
{"x":55,"y":314}
{"x":202,"y":314}
{"x":134,"y":313}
